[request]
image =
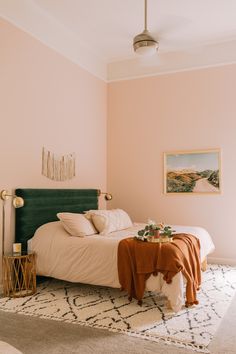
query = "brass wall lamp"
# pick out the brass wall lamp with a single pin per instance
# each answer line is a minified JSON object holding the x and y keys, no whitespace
{"x":17,"y":202}
{"x":107,"y":196}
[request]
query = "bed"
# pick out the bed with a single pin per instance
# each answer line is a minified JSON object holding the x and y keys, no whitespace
{"x":92,"y":259}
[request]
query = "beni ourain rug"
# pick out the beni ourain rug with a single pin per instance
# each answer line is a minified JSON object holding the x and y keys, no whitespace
{"x":108,"y":308}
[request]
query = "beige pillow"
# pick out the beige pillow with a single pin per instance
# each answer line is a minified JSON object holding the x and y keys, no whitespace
{"x":76,"y":224}
{"x":106,"y":221}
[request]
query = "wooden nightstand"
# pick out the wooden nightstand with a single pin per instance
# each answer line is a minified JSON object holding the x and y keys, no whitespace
{"x":19,"y":274}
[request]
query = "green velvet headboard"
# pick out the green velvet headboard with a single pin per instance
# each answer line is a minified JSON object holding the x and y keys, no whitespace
{"x":42,"y":205}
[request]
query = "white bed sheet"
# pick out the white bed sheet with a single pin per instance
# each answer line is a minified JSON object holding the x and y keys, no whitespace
{"x":93,"y":259}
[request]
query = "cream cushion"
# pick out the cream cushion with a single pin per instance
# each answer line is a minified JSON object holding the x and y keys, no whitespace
{"x":76,"y":224}
{"x":107,"y":221}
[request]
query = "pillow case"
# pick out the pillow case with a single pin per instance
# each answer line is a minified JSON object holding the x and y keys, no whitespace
{"x":106,"y":221}
{"x":76,"y":224}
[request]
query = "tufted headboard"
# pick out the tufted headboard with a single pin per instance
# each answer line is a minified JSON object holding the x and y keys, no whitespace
{"x":42,"y":205}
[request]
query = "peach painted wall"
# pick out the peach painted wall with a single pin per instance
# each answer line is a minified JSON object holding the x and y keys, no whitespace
{"x":183,"y":111}
{"x":46,"y":100}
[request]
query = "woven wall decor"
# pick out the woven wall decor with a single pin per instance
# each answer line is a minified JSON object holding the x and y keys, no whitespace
{"x":58,"y":168}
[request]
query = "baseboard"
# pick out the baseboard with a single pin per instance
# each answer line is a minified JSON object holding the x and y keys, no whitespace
{"x":225,"y":261}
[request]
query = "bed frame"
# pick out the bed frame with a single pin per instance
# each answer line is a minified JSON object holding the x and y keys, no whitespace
{"x":42,"y":205}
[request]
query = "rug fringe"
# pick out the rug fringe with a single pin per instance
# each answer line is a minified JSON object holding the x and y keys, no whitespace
{"x":158,"y":339}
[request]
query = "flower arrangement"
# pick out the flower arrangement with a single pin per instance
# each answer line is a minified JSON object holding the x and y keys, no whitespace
{"x":154,"y":231}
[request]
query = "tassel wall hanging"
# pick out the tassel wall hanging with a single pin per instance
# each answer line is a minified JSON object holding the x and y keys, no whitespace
{"x":58,"y":168}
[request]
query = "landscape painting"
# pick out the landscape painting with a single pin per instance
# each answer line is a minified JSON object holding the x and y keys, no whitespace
{"x":192,"y":172}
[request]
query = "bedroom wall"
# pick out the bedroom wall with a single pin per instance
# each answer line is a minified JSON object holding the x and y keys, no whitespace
{"x":189,"y":110}
{"x":46,"y":100}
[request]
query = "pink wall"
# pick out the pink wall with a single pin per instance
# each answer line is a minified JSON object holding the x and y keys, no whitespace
{"x":182,"y":111}
{"x":46,"y":100}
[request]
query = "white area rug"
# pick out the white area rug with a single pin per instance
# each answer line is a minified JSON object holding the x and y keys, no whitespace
{"x":110,"y":309}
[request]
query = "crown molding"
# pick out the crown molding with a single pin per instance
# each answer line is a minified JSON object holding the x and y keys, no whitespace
{"x":29,"y":17}
{"x":32,"y":19}
{"x":217,"y":54}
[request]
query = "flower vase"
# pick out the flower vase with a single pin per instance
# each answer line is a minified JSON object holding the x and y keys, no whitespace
{"x":156,"y":233}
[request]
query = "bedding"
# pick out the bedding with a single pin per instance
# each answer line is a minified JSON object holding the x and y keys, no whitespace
{"x":107,"y":221}
{"x":168,"y":258}
{"x":93,"y":259}
{"x":76,"y":224}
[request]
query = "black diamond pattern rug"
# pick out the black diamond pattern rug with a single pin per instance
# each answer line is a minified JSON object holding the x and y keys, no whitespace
{"x":108,"y":308}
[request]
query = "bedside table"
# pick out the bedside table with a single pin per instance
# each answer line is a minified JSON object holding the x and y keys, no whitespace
{"x":19,"y":274}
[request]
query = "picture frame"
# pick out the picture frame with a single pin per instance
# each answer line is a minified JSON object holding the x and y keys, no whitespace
{"x":192,"y":172}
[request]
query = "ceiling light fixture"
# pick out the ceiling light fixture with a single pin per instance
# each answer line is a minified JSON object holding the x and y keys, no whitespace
{"x":144,"y":44}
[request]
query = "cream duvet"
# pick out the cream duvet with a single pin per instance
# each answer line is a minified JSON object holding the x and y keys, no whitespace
{"x":93,"y":259}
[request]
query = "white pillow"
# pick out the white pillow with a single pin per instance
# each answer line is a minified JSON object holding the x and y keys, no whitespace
{"x":76,"y":224}
{"x":107,"y":221}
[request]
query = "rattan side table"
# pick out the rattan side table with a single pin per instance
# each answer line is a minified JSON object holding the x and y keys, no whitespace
{"x":19,"y":274}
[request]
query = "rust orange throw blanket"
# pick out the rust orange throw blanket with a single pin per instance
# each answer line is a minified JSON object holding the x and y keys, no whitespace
{"x":137,"y":260}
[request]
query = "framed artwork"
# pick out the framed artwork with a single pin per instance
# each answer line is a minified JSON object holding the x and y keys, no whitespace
{"x":191,"y":172}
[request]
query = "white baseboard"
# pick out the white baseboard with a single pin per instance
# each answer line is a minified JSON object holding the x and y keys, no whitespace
{"x":225,"y":261}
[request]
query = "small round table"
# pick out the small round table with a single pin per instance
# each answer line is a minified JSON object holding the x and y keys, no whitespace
{"x":19,"y":274}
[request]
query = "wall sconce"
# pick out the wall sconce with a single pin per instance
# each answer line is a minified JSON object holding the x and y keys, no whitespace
{"x":107,"y":196}
{"x":17,"y":202}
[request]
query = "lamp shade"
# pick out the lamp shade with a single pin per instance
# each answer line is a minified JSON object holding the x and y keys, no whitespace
{"x":144,"y":44}
{"x":108,"y":196}
{"x":18,"y":202}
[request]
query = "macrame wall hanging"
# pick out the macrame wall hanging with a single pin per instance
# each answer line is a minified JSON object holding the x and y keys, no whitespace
{"x":58,"y":168}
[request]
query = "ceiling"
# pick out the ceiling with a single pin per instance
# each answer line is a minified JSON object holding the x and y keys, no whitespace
{"x":108,"y":26}
{"x":105,"y":28}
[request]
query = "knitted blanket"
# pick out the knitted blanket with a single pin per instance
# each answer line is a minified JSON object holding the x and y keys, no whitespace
{"x":137,"y":260}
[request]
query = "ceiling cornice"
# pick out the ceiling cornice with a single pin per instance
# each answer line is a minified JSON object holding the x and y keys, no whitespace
{"x":165,"y":63}
{"x":30,"y":18}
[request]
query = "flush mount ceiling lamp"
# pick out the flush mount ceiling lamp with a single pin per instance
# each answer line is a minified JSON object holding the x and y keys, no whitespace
{"x":144,"y":44}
